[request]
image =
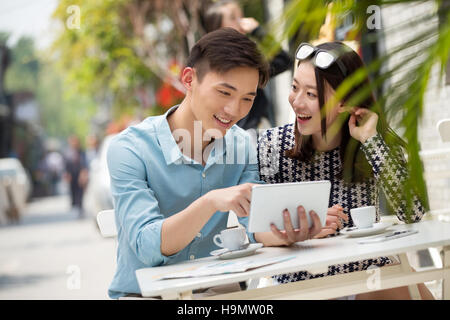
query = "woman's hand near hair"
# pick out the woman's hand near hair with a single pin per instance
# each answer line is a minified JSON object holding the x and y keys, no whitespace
{"x":362,"y":124}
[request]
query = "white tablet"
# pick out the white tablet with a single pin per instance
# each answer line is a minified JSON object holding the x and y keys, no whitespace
{"x":269,"y":200}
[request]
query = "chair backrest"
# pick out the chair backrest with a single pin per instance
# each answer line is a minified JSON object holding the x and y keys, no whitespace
{"x":443,"y":127}
{"x":107,"y":223}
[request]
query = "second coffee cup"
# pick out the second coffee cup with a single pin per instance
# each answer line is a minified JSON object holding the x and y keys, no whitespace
{"x":363,"y":217}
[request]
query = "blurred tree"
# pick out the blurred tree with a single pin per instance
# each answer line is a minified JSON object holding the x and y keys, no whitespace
{"x":124,"y":48}
{"x":97,"y":57}
{"x":23,"y":72}
{"x":62,"y":112}
{"x":127,"y":49}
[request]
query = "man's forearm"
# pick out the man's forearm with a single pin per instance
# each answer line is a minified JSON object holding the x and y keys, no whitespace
{"x":179,"y":229}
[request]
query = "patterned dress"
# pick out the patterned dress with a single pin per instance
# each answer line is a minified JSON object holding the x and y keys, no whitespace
{"x":388,"y":165}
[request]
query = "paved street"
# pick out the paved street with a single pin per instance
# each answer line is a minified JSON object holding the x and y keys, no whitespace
{"x":52,"y":254}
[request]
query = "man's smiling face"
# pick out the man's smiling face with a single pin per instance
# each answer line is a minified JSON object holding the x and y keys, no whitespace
{"x":219,"y":100}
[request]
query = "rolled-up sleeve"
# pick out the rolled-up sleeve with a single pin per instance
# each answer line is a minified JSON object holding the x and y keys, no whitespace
{"x":137,"y":213}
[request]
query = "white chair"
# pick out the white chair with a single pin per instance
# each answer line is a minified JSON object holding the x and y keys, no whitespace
{"x":107,"y":223}
{"x":443,"y":127}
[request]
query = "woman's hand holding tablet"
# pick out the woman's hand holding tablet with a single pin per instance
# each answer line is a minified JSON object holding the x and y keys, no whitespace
{"x":290,"y":235}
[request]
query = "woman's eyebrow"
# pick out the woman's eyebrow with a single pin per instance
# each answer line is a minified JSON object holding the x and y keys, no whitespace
{"x":307,"y":85}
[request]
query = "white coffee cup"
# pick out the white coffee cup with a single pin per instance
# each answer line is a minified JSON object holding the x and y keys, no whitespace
{"x":232,"y":238}
{"x":363,"y":217}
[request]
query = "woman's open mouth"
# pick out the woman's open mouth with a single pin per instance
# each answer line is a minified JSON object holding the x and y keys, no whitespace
{"x":303,"y":118}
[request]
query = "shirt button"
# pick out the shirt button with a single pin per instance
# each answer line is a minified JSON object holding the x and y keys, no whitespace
{"x":199,"y":235}
{"x":192,"y":257}
{"x":203,"y":175}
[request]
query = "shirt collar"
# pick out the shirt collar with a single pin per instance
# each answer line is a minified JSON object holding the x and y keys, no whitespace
{"x":166,"y":140}
{"x":172,"y":152}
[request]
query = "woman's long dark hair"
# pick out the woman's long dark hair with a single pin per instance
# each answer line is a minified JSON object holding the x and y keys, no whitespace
{"x":355,"y":167}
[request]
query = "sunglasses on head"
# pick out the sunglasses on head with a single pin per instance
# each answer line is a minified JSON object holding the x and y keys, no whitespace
{"x":322,"y":59}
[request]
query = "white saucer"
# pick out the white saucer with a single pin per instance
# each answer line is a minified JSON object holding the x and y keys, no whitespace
{"x":375,"y":229}
{"x":227,"y":254}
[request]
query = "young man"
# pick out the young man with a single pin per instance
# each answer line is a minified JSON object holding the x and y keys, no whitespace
{"x":174,"y":177}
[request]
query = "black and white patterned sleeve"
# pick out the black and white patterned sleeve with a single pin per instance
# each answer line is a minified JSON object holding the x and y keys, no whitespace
{"x":389,"y":167}
{"x":268,"y":157}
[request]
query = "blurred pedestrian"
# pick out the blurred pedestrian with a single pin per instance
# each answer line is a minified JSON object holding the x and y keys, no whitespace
{"x":55,"y":168}
{"x":228,"y":13}
{"x":41,"y":186}
{"x":92,"y":146}
{"x":76,"y":172}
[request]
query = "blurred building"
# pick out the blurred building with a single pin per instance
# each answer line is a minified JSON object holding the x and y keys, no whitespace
{"x":436,"y":153}
{"x":20,"y":131}
{"x":6,"y":112}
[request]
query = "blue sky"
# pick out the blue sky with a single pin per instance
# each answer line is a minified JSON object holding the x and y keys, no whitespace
{"x":28,"y":17}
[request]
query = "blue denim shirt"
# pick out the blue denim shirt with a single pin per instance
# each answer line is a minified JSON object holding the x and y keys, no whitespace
{"x":151,"y":180}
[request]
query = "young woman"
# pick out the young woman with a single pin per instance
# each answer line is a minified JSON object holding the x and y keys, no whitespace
{"x":317,"y":147}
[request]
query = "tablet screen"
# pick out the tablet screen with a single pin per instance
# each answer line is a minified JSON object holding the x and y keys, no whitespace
{"x":269,"y":200}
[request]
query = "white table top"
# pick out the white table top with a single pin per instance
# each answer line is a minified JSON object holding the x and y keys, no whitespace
{"x":311,"y":254}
